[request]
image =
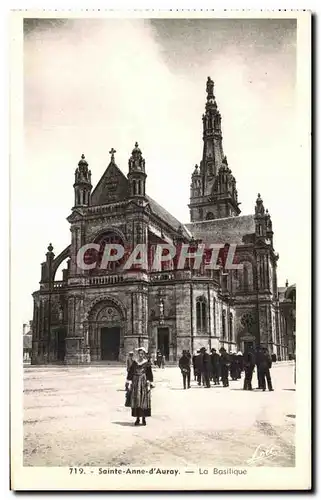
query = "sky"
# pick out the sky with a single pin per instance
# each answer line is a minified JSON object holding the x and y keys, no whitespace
{"x":93,"y":84}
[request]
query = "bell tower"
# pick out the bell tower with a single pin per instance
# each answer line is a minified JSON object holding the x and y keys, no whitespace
{"x":213,"y":187}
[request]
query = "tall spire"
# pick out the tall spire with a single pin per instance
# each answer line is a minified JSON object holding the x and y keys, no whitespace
{"x":213,"y":190}
{"x":212,"y":139}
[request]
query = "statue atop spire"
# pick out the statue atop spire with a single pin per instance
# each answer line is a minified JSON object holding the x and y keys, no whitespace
{"x":136,"y":161}
{"x":210,"y":88}
{"x":82,"y":173}
{"x":259,"y":207}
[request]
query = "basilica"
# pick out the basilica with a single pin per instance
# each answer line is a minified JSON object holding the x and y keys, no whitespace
{"x":96,"y":315}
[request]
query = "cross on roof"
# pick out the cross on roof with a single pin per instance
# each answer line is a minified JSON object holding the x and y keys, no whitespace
{"x":112,"y":153}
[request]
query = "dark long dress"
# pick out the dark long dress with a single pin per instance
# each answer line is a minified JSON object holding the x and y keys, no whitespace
{"x":140,"y":402}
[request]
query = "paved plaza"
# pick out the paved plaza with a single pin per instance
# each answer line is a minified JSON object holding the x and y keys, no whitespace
{"x":75,"y":416}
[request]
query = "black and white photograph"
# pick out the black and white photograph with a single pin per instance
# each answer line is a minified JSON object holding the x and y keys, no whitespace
{"x":160,"y":246}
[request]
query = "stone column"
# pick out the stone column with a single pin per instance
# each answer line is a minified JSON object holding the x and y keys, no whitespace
{"x":42,"y":331}
{"x":75,"y":340}
{"x":136,"y":330}
{"x":35,"y":336}
{"x":185,"y":317}
{"x":263,"y":325}
{"x":76,"y":242}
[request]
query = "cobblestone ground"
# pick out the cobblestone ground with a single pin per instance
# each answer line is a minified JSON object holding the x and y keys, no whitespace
{"x":75,"y":416}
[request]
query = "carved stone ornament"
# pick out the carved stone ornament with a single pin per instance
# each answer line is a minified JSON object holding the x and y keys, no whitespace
{"x":247,"y":320}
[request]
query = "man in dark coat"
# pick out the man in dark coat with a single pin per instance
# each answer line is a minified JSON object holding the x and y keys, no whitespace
{"x":240,"y":366}
{"x":224,"y":362}
{"x":205,"y":367}
{"x":233,"y":368}
{"x":257,"y":357}
{"x":198,"y":366}
{"x":215,"y":359}
{"x":194,"y":364}
{"x":249,"y":364}
{"x":185,"y":367}
{"x":159,"y":358}
{"x":264,"y":363}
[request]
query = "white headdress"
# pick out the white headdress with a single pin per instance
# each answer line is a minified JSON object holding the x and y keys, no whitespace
{"x":141,"y":349}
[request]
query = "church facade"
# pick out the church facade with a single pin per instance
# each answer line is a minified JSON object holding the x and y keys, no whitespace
{"x":96,"y":314}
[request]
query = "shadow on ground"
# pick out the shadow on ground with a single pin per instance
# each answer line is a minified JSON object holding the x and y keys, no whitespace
{"x":124,"y":424}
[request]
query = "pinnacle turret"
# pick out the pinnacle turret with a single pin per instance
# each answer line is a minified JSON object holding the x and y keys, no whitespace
{"x":82,"y":185}
{"x":136,"y":172}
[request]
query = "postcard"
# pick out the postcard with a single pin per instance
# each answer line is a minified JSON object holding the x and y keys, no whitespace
{"x":160,"y":204}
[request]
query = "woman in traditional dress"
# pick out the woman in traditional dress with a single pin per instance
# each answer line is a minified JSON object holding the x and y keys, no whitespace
{"x":140,"y":377}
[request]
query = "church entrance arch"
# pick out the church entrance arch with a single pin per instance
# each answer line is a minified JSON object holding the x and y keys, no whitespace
{"x":106,"y":323}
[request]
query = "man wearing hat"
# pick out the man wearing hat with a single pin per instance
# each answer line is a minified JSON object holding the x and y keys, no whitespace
{"x":224,"y":362}
{"x":249,"y":364}
{"x":198,"y":366}
{"x":205,"y":367}
{"x":185,"y":367}
{"x":215,"y":359}
{"x":264,"y":364}
{"x":195,"y":361}
{"x":240,"y":366}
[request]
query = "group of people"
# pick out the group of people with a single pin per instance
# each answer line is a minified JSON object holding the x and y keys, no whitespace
{"x":217,"y":367}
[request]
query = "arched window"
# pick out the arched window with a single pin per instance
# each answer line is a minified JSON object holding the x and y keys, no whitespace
{"x":214,"y":315}
{"x":247,"y":276}
{"x":230,"y":330}
{"x":201,"y":316}
{"x":223,"y":324}
{"x":91,"y":255}
{"x":209,"y":216}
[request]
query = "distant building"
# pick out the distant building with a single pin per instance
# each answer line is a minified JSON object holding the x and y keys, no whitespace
{"x":27,"y":341}
{"x":93,"y":315}
{"x":287,"y":302}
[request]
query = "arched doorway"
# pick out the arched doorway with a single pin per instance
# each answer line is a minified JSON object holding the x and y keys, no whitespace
{"x":106,"y":331}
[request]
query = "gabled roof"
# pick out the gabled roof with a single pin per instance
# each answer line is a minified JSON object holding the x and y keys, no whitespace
{"x":112,"y":187}
{"x":226,"y":230}
{"x":163,"y":214}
